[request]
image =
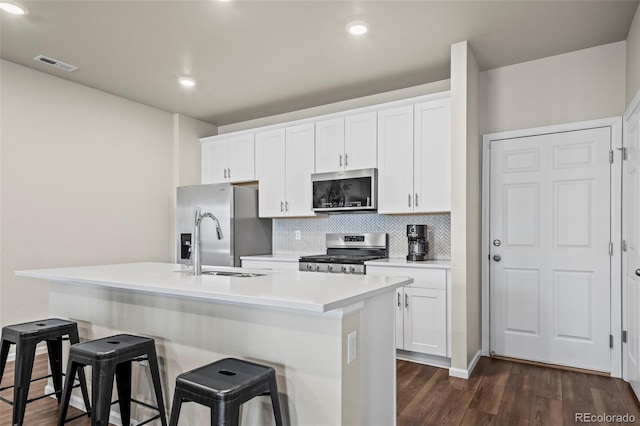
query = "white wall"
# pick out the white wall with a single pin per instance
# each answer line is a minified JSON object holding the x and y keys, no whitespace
{"x":633,"y":59}
{"x":577,"y":86}
{"x":86,"y":178}
{"x":409,"y":92}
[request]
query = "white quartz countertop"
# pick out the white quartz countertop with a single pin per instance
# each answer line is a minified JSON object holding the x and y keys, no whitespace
{"x":403,"y":262}
{"x":294,"y":290}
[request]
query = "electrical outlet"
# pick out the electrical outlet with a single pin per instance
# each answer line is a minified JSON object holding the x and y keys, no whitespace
{"x":298,"y":234}
{"x":352,"y":346}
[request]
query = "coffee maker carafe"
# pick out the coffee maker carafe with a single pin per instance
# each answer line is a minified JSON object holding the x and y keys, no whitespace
{"x":418,"y":242}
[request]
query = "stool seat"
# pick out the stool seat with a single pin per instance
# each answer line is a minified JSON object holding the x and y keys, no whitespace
{"x":26,"y":336}
{"x":112,"y":356}
{"x":223,"y":386}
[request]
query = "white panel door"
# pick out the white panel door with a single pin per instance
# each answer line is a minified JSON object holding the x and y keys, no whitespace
{"x":300,"y":166}
{"x":395,"y":163}
{"x":631,"y":258}
{"x":270,"y":171}
{"x":550,"y":228}
{"x":241,"y":166}
{"x":360,"y":143}
{"x":432,"y":157}
{"x":214,"y":161}
{"x":330,"y":145}
{"x":425,"y":320}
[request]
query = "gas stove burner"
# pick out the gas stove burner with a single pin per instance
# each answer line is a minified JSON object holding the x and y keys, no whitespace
{"x":347,"y":253}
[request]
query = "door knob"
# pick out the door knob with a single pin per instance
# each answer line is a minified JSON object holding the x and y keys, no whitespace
{"x":497,"y":257}
{"x":638,"y":272}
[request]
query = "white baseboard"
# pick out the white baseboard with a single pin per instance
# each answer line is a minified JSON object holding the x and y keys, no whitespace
{"x":432,"y":360}
{"x":465,"y":374}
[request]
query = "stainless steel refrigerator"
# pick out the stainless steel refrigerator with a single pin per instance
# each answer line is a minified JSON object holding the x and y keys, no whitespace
{"x":236,"y":208}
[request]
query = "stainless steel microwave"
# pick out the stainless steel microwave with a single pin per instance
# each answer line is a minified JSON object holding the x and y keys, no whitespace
{"x":352,"y":190}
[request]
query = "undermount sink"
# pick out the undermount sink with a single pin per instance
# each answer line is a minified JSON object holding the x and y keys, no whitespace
{"x":226,"y":273}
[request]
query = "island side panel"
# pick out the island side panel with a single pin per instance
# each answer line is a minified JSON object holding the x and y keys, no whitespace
{"x":306,"y":350}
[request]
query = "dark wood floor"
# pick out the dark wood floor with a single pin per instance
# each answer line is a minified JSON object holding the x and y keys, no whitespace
{"x":502,"y":392}
{"x":498,"y":393}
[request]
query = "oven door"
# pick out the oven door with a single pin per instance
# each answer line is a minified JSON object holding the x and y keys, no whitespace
{"x":353,"y":190}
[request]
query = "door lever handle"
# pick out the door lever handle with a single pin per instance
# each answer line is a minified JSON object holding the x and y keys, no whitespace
{"x":638,"y":272}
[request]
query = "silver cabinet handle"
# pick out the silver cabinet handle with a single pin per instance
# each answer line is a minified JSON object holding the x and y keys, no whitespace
{"x":399,"y":303}
{"x":416,"y":199}
{"x":281,"y":206}
{"x":229,"y":173}
{"x":286,"y":206}
{"x":340,"y":160}
{"x":409,"y":203}
{"x":346,"y":159}
{"x":406,"y":301}
{"x":225,"y":173}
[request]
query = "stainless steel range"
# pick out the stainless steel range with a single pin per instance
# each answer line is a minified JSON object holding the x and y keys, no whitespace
{"x":346,"y":253}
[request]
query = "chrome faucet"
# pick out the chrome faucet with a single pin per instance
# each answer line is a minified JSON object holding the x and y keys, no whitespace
{"x":195,"y":247}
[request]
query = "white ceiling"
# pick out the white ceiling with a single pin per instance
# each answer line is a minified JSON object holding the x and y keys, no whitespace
{"x":258,"y":58}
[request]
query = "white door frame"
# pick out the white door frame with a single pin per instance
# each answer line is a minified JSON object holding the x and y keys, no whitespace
{"x":615,"y":123}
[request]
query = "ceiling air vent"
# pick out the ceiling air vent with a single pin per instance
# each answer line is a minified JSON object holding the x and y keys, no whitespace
{"x":55,"y":63}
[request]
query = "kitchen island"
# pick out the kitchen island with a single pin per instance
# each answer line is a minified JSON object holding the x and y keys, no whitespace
{"x":297,"y":322}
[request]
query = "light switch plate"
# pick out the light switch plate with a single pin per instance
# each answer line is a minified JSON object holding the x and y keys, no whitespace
{"x":352,"y":346}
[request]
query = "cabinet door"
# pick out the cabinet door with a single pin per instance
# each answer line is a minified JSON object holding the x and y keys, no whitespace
{"x":395,"y":165}
{"x":360,"y":143}
{"x":399,"y":302}
{"x":299,"y":167}
{"x":270,"y":170}
{"x":432,"y":157}
{"x":241,"y":159}
{"x":214,"y":161}
{"x":329,"y":145}
{"x":425,"y":321}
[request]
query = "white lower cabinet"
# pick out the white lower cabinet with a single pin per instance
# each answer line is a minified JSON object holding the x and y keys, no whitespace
{"x":421,"y":309}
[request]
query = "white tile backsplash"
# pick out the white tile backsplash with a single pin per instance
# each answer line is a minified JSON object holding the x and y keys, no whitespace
{"x":313,"y":230}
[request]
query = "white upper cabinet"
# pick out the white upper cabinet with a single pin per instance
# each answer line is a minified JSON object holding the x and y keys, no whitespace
{"x":395,"y":166}
{"x":346,"y":143}
{"x":432,"y":157}
{"x":284,"y":166}
{"x":228,"y":159}
{"x":415,"y":158}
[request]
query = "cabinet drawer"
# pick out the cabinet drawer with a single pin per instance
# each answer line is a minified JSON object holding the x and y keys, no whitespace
{"x":422,"y":278}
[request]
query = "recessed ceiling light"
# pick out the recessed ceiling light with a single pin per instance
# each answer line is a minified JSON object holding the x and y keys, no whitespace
{"x":13,"y":8}
{"x":357,"y":28}
{"x":187,"y":82}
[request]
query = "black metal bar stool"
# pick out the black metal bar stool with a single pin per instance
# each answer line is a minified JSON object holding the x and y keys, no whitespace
{"x":223,"y":386}
{"x":109,"y":357}
{"x":26,"y":337}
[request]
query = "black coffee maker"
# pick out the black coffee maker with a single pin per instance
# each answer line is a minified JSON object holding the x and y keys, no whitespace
{"x":418,"y":242}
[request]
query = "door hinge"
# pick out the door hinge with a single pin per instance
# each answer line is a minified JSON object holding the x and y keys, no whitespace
{"x":611,"y":156}
{"x":610,"y":248}
{"x":624,"y":152}
{"x":611,"y":340}
{"x":623,"y":245}
{"x":624,"y":336}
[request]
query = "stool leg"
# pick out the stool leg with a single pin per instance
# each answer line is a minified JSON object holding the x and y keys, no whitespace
{"x":228,"y":414}
{"x":66,"y":393}
{"x":157,"y":386}
{"x":175,"y":407}
{"x":54,"y":349}
{"x":6,"y":345}
{"x":25,"y":353}
{"x":123,"y":382}
{"x":275,"y":401}
{"x":73,"y":339}
{"x":101,"y":390}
